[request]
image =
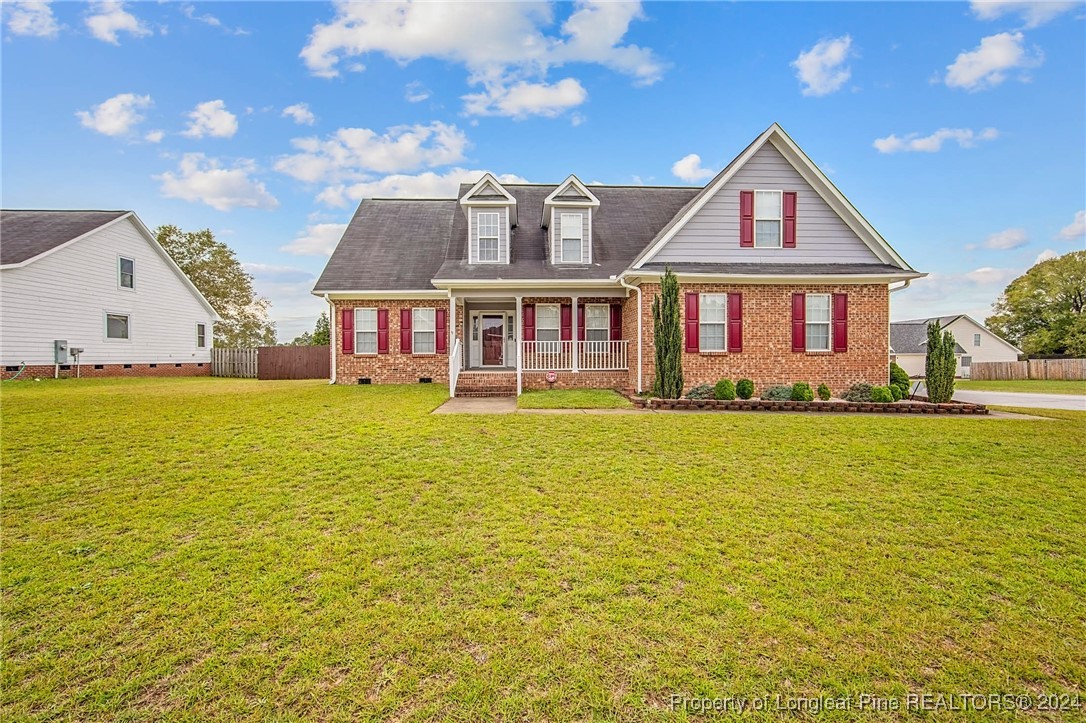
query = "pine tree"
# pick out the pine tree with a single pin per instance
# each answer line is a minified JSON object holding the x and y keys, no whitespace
{"x":939,"y":364}
{"x":667,"y":334}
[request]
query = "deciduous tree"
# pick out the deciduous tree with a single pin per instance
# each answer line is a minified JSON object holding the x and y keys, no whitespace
{"x":1042,"y":311}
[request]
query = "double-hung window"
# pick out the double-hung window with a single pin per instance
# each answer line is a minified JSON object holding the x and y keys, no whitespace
{"x":201,"y":336}
{"x":423,"y":331}
{"x":547,"y":326}
{"x":976,"y":340}
{"x":117,"y":326}
{"x":365,"y":331}
{"x":597,"y":322}
{"x":818,"y":322}
{"x":489,"y":240}
{"x":572,"y":230}
{"x":126,"y":273}
{"x":713,"y":322}
{"x":767,"y":219}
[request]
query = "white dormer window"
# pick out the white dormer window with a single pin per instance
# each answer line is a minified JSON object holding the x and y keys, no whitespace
{"x":489,"y":240}
{"x":572,"y":230}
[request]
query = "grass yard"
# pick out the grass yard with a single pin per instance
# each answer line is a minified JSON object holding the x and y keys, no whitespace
{"x":1031,"y":386}
{"x":573,"y":399}
{"x":233,"y":549}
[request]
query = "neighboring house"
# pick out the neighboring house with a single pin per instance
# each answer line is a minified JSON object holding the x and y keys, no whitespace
{"x":781,"y":278}
{"x":975,"y":343}
{"x":100,"y":282}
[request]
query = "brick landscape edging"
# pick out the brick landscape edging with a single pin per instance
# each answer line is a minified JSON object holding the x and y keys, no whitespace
{"x":765,"y":405}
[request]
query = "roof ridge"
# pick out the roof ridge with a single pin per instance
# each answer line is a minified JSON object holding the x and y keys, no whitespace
{"x":66,"y":210}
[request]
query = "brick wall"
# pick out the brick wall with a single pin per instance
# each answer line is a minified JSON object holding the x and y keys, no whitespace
{"x":88,"y":371}
{"x":580,"y":380}
{"x":767,"y":357}
{"x":394,"y":367}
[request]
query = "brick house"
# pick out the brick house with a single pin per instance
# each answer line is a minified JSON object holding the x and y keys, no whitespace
{"x":510,"y":287}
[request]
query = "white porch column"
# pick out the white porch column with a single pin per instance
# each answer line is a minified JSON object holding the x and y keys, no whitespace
{"x":520,"y":344}
{"x":576,"y":336}
{"x":452,"y":341}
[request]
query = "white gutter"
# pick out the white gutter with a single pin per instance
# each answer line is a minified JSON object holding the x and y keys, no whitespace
{"x":331,"y":337}
{"x":622,"y":281}
{"x":902,"y":287}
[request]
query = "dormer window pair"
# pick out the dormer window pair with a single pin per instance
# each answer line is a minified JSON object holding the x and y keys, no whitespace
{"x":567,"y":214}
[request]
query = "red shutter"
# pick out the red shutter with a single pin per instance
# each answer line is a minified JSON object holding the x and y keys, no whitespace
{"x":348,"y":331}
{"x":799,"y":322}
{"x":840,"y":322}
{"x":735,"y":322}
{"x":616,"y":322}
{"x":789,"y":212}
{"x":440,"y":332}
{"x":567,"y":323}
{"x":529,"y":322}
{"x":692,"y":341}
{"x":405,"y":331}
{"x":382,"y":331}
{"x":580,"y":323}
{"x":746,"y":219}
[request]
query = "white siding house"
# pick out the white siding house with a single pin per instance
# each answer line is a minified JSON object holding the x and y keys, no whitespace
{"x":975,"y":343}
{"x":100,"y":282}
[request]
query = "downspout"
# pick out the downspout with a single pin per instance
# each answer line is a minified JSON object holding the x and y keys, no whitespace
{"x":903,"y":286}
{"x":622,"y":282}
{"x":331,"y":337}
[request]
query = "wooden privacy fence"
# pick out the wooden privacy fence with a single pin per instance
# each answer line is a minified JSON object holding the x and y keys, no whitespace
{"x":293,"y":362}
{"x":1069,"y":369}
{"x":233,"y":362}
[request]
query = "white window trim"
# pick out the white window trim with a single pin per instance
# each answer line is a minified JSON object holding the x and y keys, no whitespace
{"x":976,"y":340}
{"x":105,"y":327}
{"x":829,"y":324}
{"x":479,"y":237}
{"x":415,"y":331}
{"x":557,"y":324}
{"x":779,"y":219}
{"x":701,"y":322}
{"x":562,"y":235}
{"x":359,"y":330}
{"x":119,"y":284}
{"x":606,"y":316}
{"x":198,"y":334}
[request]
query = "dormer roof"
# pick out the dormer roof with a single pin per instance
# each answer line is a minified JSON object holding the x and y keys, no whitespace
{"x":489,"y":192}
{"x":570,"y":192}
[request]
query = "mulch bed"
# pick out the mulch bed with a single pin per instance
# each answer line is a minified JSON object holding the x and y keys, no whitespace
{"x":762,"y":405}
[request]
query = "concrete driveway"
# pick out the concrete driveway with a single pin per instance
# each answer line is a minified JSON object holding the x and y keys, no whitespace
{"x":1020,"y":399}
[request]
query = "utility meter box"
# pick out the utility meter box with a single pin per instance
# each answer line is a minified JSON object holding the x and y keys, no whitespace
{"x":60,"y":351}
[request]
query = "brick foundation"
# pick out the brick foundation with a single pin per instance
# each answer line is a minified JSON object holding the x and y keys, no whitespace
{"x":394,"y":367}
{"x":89,"y":371}
{"x":576,"y":380}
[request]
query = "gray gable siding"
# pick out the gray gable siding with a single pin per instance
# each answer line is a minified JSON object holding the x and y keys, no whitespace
{"x":503,"y":233}
{"x":556,"y":231}
{"x":712,"y":235}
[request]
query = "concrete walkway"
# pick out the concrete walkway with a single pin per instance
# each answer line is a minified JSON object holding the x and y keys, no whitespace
{"x":478,"y":405}
{"x":1073,"y":402}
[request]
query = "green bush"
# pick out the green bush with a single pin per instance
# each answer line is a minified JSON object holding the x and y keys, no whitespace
{"x":895,"y":392}
{"x":939,"y":364}
{"x":701,"y":391}
{"x":668,"y":331}
{"x":881,"y":395}
{"x":744,"y":389}
{"x":860,"y":392}
{"x":824,"y":393}
{"x":724,"y":390}
{"x":778,"y":394}
{"x":801,"y":392}
{"x":898,"y":375}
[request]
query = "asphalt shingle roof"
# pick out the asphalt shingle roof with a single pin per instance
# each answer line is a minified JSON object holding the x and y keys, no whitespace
{"x":911,"y":337}
{"x":26,"y":234}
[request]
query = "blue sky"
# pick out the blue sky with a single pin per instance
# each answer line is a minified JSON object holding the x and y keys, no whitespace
{"x":957,"y":129}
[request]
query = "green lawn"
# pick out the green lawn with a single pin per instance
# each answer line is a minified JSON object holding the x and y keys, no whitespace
{"x":234,"y":549}
{"x":573,"y":399}
{"x":1032,"y":386}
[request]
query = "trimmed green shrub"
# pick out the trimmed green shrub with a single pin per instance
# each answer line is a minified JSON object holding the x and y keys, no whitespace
{"x":899,"y":380}
{"x":881,"y":395}
{"x":860,"y":392}
{"x":801,"y":392}
{"x":939,"y":365}
{"x":724,"y":390}
{"x":778,"y":394}
{"x":824,"y":393}
{"x":744,"y":389}
{"x":895,"y":392}
{"x":667,"y":327}
{"x":701,"y":391}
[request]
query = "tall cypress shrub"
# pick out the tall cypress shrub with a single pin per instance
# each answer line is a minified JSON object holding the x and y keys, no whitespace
{"x":939,"y":364}
{"x":668,"y":339}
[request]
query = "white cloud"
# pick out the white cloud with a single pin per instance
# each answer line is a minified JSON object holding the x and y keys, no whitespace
{"x":189,"y":11}
{"x":319,"y":239}
{"x":203,"y":179}
{"x":416,"y":92}
{"x":351,"y":153}
{"x":300,"y":113}
{"x":964,"y":137}
{"x":689,"y":169}
{"x":1033,"y":12}
{"x":516,"y":48}
{"x":1045,"y":256}
{"x":938,"y":294}
{"x":108,"y":18}
{"x":1076,"y":229}
{"x":1010,"y":238}
{"x":987,"y":65}
{"x":523,"y":99}
{"x":422,"y":185}
{"x":211,"y":118}
{"x":31,"y":18}
{"x":155,"y":136}
{"x":822,"y":69}
{"x":115,"y":116}
{"x":987,"y":275}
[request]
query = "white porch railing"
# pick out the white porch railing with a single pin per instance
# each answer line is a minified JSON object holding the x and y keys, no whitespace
{"x":545,"y":356}
{"x":455,"y":365}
